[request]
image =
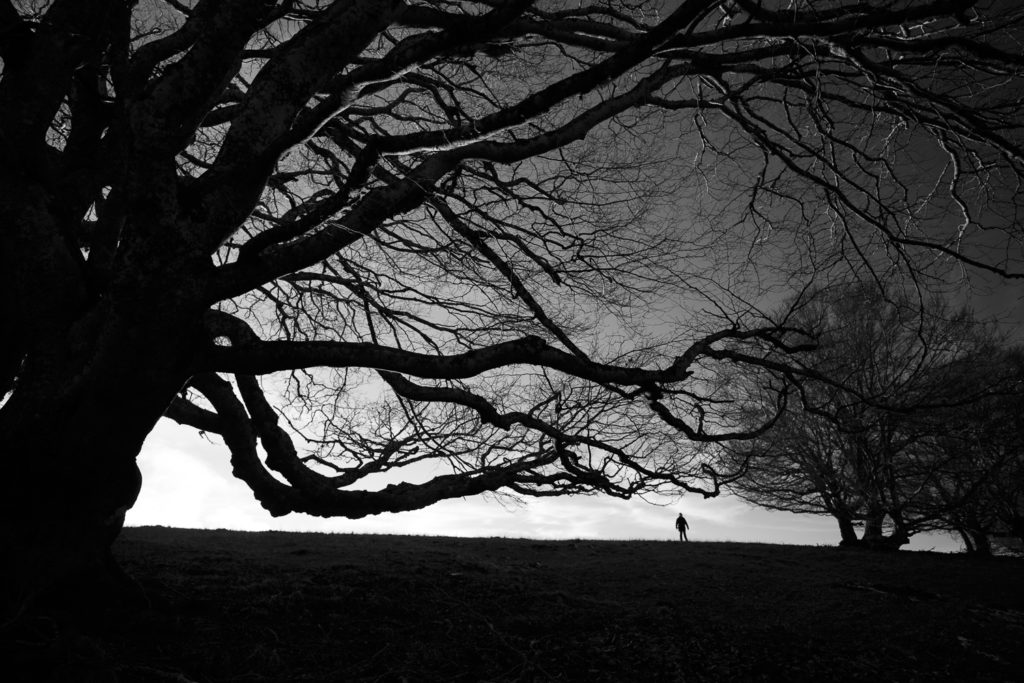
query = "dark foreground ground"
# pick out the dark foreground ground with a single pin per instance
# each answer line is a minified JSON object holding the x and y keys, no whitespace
{"x":229,"y":606}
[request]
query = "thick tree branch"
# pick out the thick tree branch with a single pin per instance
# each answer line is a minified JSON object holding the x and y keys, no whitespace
{"x":248,"y":354}
{"x":13,"y":30}
{"x":274,"y":356}
{"x":38,"y":76}
{"x":297,"y":70}
{"x":281,"y":454}
{"x":457,"y":32}
{"x":170,"y":108}
{"x":240,"y":438}
{"x":184,"y":412}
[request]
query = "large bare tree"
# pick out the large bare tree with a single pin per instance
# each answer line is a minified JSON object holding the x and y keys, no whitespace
{"x":500,"y":244}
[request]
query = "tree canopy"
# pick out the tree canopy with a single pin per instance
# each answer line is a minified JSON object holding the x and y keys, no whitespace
{"x":511,"y":244}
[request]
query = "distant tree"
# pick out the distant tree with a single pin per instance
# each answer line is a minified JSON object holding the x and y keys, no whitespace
{"x":447,"y":238}
{"x":878,"y":437}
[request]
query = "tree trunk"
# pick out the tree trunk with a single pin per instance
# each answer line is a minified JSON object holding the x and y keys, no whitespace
{"x":873,"y":528}
{"x":874,"y":536}
{"x":70,"y":435}
{"x":900,"y":536}
{"x":847,"y":531}
{"x":93,"y":352}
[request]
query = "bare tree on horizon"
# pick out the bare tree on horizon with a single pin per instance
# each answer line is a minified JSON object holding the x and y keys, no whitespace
{"x":891,"y":434}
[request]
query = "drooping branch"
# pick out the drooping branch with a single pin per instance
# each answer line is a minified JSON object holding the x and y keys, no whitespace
{"x":240,"y":438}
{"x":281,"y":454}
{"x":312,"y":493}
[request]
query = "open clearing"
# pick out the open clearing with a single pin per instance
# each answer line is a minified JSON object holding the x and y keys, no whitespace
{"x":234,"y":606}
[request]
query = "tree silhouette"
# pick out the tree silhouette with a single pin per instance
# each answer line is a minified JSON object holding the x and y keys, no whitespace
{"x":896,"y":431}
{"x":504,"y":244}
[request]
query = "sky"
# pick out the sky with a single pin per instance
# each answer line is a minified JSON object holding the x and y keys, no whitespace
{"x":187,"y":483}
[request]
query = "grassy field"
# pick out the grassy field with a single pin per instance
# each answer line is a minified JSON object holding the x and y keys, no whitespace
{"x":232,"y":606}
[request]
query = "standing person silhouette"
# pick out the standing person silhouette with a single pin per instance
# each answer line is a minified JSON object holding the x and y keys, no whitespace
{"x":682,"y":526}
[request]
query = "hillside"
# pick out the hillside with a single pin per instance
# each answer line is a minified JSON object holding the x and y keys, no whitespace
{"x":232,"y":606}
